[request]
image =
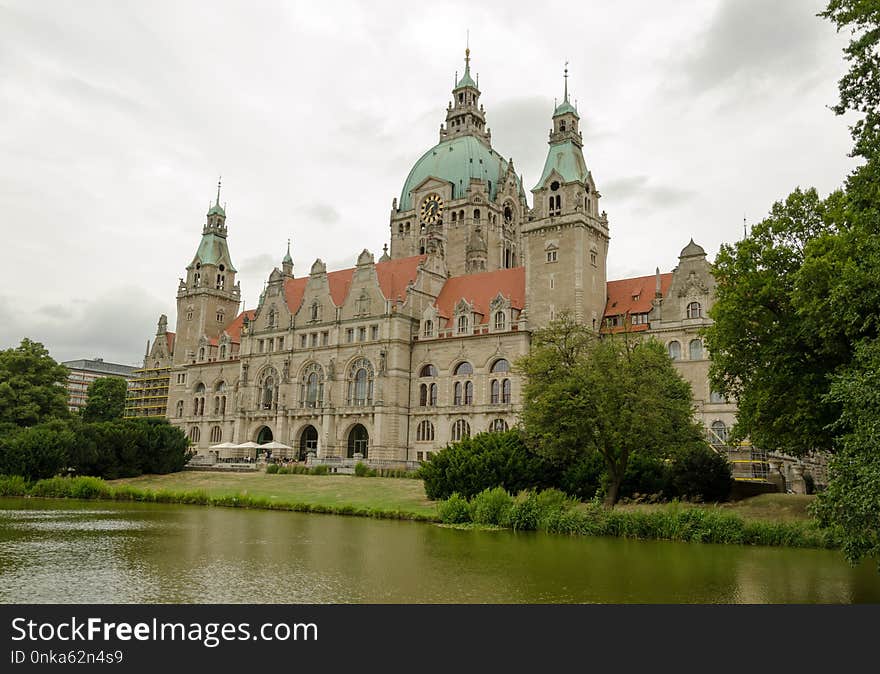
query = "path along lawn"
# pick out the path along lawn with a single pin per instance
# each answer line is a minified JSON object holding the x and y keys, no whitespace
{"x":384,"y":493}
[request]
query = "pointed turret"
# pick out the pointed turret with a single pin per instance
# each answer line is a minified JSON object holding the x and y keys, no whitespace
{"x":465,"y":116}
{"x":287,"y":262}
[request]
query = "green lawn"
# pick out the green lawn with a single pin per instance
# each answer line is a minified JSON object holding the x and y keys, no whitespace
{"x":407,"y":495}
{"x":384,"y":493}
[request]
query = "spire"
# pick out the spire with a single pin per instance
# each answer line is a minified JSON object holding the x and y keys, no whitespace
{"x":287,"y":262}
{"x":219,"y":180}
{"x":466,"y":79}
{"x":216,"y":208}
{"x":566,"y":81}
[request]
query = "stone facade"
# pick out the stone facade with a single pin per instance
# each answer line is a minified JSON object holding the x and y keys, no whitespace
{"x":392,"y":360}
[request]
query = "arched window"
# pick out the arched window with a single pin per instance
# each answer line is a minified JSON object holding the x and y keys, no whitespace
{"x":500,"y":320}
{"x":674,"y":350}
{"x":562,"y":125}
{"x":179,"y":408}
{"x":463,"y":369}
{"x":463,"y":325}
{"x":223,"y":352}
{"x":199,"y":400}
{"x":271,"y":321}
{"x":460,"y":430}
{"x":308,"y":441}
{"x":201,"y":353}
{"x":716,"y":398}
{"x":425,"y":431}
{"x":454,"y":218}
{"x":360,"y":383}
{"x":456,"y":395}
{"x":695,"y":349}
{"x":694,"y":310}
{"x":432,"y":395}
{"x":428,"y":371}
{"x":508,"y":214}
{"x":216,"y":435}
{"x":358,"y":441}
{"x":498,"y":426}
{"x":315,"y":311}
{"x":312,"y":386}
{"x":423,"y":395}
{"x":429,"y":329}
{"x":194,"y":434}
{"x":469,"y":393}
{"x":718,"y":434}
{"x":267,"y":388}
{"x":505,"y":391}
{"x":495,"y":392}
{"x":501,"y":365}
{"x":476,"y":214}
{"x":197,"y":280}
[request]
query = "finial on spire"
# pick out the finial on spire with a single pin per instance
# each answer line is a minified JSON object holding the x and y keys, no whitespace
{"x":467,"y":53}
{"x":218,"y":189}
{"x":566,"y":81}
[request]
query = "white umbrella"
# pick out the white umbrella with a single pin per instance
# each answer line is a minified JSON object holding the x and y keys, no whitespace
{"x":246,"y":447}
{"x":278,"y":448}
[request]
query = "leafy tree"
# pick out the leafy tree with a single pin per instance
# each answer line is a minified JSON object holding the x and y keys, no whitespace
{"x":770,"y":350}
{"x":106,"y":399}
{"x":32,"y":385}
{"x":614,"y":396}
{"x":37,"y":452}
{"x":851,"y":502}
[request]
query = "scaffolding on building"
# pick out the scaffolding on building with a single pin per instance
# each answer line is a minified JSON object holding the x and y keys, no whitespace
{"x":747,"y":462}
{"x":148,"y":393}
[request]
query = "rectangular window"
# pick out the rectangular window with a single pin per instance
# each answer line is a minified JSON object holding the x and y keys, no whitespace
{"x":325,"y":338}
{"x":281,"y":344}
{"x":303,"y":341}
{"x":551,"y":256}
{"x":362,"y":334}
{"x":374,"y":332}
{"x":261,"y":345}
{"x":314,"y":339}
{"x":349,"y":335}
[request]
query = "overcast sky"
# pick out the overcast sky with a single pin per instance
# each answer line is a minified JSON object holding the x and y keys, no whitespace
{"x":117,"y":117}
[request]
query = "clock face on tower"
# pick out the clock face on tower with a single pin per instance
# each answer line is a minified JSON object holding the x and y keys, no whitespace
{"x":432,"y":209}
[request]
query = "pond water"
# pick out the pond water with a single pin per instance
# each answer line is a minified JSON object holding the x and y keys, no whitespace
{"x":54,"y":551}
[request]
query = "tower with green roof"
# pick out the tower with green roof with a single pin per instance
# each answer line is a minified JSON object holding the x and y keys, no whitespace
{"x":209,"y":297}
{"x":459,"y":186}
{"x":566,"y":241}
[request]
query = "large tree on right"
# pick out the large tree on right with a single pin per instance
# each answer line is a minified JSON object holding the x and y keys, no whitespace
{"x":797,"y":316}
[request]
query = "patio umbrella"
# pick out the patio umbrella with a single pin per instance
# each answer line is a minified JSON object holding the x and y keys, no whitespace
{"x":278,"y":448}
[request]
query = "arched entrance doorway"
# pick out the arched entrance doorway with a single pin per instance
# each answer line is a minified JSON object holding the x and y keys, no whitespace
{"x":264,"y":436}
{"x":358,"y":441}
{"x":308,"y":442}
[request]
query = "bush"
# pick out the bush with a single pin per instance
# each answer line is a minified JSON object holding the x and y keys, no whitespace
{"x":454,"y":510}
{"x":484,"y":461}
{"x":645,"y":474}
{"x":524,"y":513}
{"x":319,"y":470}
{"x":363,"y":470}
{"x":491,"y":506}
{"x":583,"y":479}
{"x":272,"y":468}
{"x":699,"y":474}
{"x":13,"y":485}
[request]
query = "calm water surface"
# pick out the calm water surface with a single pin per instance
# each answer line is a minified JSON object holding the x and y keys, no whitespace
{"x":105,"y":552}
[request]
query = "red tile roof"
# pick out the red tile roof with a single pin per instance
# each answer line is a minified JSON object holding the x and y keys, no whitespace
{"x":633,"y":296}
{"x":234,"y":328}
{"x":394,"y":276}
{"x":481,"y":289}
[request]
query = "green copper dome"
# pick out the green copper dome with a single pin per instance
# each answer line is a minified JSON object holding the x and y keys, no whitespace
{"x":465,"y":81}
{"x":456,"y":161}
{"x":565,"y":107}
{"x":567,"y":160}
{"x":216,"y":209}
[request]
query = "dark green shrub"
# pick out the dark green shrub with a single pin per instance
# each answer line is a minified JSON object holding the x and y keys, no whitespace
{"x":645,"y":474}
{"x":583,"y":479}
{"x":272,"y":468}
{"x":491,"y":506}
{"x":699,"y":473}
{"x":454,"y":510}
{"x":319,"y":470}
{"x":484,"y":461}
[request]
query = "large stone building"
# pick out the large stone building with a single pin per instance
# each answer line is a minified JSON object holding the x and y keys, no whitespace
{"x":392,"y":359}
{"x":86,"y":370}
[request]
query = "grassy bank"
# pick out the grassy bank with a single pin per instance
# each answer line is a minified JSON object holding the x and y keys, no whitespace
{"x":772,"y":519}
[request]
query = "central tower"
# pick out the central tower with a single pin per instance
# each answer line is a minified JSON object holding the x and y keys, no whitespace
{"x":462,"y":193}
